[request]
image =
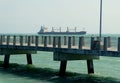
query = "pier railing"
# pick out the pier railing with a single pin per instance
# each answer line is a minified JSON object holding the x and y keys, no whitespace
{"x":79,"y":42}
{"x":42,"y":41}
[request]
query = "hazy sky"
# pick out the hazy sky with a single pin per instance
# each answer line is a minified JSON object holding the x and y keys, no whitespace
{"x":26,"y":16}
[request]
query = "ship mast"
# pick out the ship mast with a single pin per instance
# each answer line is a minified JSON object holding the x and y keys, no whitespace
{"x":52,"y":29}
{"x":67,"y":29}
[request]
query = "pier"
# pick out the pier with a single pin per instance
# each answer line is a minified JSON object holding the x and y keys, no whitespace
{"x":64,"y":48}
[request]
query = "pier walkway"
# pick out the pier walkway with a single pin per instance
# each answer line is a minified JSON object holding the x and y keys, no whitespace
{"x":64,"y":48}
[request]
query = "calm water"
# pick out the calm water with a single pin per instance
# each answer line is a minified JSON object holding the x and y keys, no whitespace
{"x":45,"y":70}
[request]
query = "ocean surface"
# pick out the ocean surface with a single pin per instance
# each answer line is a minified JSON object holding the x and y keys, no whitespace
{"x":45,"y":70}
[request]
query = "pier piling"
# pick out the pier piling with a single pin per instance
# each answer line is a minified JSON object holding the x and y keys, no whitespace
{"x":29,"y":58}
{"x":62,"y":70}
{"x":6,"y":61}
{"x":90,"y":66}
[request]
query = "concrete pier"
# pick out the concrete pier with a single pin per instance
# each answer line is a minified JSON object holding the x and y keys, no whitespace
{"x":64,"y":49}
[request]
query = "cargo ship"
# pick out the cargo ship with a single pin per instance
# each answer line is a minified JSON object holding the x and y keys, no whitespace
{"x":43,"y":31}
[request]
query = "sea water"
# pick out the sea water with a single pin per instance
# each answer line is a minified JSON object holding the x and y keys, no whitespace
{"x":45,"y":70}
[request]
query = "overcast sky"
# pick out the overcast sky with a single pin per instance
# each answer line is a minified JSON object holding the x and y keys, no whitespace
{"x":26,"y":16}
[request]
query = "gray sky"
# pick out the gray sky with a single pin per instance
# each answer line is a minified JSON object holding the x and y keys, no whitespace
{"x":26,"y":16}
